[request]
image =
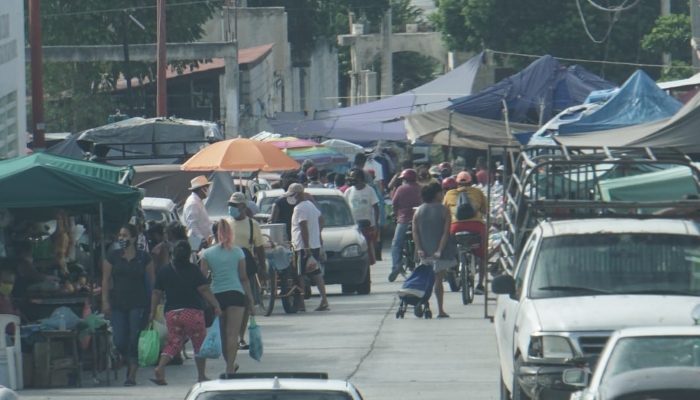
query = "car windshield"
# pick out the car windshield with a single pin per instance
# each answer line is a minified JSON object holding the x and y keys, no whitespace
{"x":275,"y":395}
{"x":334,"y":209}
{"x":154,"y":215}
{"x":606,"y":263}
{"x":636,"y":353}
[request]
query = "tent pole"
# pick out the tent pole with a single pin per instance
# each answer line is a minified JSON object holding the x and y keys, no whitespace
{"x":505,"y":115}
{"x":103,"y":251}
{"x":449,"y":135}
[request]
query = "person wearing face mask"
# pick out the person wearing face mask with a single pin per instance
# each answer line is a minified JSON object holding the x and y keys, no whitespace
{"x":247,"y":236}
{"x":7,"y":305}
{"x":195,"y":214}
{"x":127,"y":303}
{"x":424,"y":177}
{"x":27,"y":274}
{"x":445,"y":169}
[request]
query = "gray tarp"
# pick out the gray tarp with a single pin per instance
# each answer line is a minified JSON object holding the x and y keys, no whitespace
{"x":681,"y":131}
{"x":467,"y":131}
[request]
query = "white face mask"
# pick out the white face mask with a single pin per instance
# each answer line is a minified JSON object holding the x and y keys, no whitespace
{"x":292,"y":200}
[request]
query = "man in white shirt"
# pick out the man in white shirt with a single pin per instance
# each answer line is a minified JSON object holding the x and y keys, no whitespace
{"x":195,"y":214}
{"x":307,"y":224}
{"x":364,"y":204}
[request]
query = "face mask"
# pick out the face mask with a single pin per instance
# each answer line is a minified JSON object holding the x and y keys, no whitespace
{"x":292,"y":200}
{"x":445,"y":174}
{"x":6,"y":288}
{"x":350,"y":182}
{"x":234,"y":212}
{"x":124,"y":243}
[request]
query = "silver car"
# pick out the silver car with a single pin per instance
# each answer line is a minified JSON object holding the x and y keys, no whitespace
{"x":346,"y":249}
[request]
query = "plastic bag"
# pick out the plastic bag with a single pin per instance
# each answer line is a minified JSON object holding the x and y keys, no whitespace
{"x":255,"y":339}
{"x":311,"y":264}
{"x":162,"y":333}
{"x":59,"y":317}
{"x":149,"y":346}
{"x":211,"y":347}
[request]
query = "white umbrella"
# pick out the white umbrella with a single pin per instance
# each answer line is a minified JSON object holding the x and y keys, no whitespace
{"x":344,"y":147}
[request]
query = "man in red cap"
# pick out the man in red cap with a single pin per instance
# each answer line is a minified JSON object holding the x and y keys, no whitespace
{"x":406,"y":198}
{"x":474,"y":224}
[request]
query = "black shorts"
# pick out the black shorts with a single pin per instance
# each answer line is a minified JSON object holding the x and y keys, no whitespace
{"x":231,"y":298}
{"x":301,"y":262}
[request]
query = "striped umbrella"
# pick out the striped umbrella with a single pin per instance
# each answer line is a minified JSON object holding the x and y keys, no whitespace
{"x":302,"y":149}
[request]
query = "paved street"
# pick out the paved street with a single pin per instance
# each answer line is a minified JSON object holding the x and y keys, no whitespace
{"x":359,"y":339}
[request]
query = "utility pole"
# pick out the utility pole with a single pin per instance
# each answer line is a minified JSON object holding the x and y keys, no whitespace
{"x":695,"y":25}
{"x":127,"y":67}
{"x":161,"y":83}
{"x":38,"y":124}
{"x":666,"y":10}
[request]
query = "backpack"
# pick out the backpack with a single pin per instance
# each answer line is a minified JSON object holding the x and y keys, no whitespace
{"x":465,"y":209}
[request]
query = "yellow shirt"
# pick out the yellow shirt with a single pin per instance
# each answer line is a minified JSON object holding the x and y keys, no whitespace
{"x":241,"y":232}
{"x":476,"y":196}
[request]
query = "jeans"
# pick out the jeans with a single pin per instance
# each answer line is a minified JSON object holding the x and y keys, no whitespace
{"x":126,"y":328}
{"x":397,"y":245}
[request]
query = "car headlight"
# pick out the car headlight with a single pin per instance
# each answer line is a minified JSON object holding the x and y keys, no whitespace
{"x":550,"y":347}
{"x":353,"y":250}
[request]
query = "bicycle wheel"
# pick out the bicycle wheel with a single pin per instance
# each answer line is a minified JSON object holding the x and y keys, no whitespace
{"x":467,"y":281}
{"x":453,"y":279}
{"x":408,"y":255}
{"x":274,"y":286}
{"x":290,"y":301}
{"x":258,"y":294}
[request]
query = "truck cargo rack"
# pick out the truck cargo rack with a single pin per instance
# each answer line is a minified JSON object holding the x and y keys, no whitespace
{"x":181,"y":150}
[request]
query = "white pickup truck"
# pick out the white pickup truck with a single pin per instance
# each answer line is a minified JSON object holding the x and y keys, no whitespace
{"x":577,"y":281}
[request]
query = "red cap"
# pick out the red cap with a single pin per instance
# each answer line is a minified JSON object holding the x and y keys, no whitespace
{"x":464,"y":177}
{"x":312,"y":172}
{"x":409,"y":174}
{"x":449,"y":183}
{"x":444,"y":165}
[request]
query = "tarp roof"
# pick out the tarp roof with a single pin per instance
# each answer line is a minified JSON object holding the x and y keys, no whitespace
{"x":682,"y":83}
{"x":368,"y":122}
{"x":47,"y":181}
{"x":544,"y":87}
{"x":680,"y":131}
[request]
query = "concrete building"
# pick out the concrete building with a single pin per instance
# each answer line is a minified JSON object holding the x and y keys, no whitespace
{"x":13,"y":110}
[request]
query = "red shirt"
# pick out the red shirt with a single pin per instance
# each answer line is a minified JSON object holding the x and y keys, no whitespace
{"x":406,"y":197}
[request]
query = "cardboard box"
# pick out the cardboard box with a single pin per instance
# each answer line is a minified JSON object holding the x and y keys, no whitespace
{"x":28,"y":369}
{"x":41,"y":353}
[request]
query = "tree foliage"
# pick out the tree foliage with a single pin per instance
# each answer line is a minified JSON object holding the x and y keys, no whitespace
{"x":671,"y":34}
{"x":539,"y":27}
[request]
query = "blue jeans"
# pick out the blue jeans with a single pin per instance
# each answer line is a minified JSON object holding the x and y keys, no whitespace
{"x":397,"y":245}
{"x":126,"y":328}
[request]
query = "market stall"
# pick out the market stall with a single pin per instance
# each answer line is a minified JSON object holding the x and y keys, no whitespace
{"x":56,"y":213}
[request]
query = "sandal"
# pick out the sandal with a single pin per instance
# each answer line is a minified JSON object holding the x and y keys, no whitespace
{"x":242,"y":345}
{"x":443,"y":315}
{"x":323,"y":307}
{"x":159,"y":382}
{"x":129,"y":383}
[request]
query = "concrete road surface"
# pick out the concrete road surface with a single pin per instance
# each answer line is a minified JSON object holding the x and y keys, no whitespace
{"x":359,"y":339}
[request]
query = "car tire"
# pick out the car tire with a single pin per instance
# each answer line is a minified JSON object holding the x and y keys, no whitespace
{"x":365,"y":287}
{"x":347,"y":288}
{"x":518,"y":393}
{"x":505,"y":395}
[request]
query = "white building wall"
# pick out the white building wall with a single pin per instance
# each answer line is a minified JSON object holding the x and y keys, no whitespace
{"x":259,"y":96}
{"x":320,"y":78}
{"x":13,"y":102}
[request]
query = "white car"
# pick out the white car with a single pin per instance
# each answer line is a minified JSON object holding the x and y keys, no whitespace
{"x":160,"y":210}
{"x":278,"y":386}
{"x":635,"y":352}
{"x":346,"y":249}
{"x":576,"y":282}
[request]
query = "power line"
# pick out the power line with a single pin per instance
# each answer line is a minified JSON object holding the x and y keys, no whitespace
{"x":119,"y":10}
{"x":615,"y":9}
{"x":589,"y":61}
{"x":585,"y":24}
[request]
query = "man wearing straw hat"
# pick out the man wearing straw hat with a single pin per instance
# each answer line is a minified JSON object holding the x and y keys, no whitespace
{"x":195,"y":214}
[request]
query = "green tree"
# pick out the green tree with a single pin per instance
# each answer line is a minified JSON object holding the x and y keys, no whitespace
{"x":79,"y":92}
{"x":555,"y":27}
{"x":671,"y":34}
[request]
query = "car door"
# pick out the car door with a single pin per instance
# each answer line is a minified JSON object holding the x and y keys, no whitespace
{"x":507,"y":311}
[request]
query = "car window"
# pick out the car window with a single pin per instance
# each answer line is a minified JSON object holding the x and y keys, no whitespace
{"x":522,"y":266}
{"x":333,"y":208}
{"x":637,"y":353}
{"x":275,"y":395}
{"x":607,"y":263}
{"x":266,"y":205}
{"x":155,"y":215}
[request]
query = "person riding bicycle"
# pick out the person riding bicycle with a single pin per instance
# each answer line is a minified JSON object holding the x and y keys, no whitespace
{"x":448,"y":184}
{"x":475,"y":224}
{"x":406,"y":198}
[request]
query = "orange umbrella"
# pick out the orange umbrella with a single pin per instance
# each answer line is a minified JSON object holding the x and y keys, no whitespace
{"x":240,"y":154}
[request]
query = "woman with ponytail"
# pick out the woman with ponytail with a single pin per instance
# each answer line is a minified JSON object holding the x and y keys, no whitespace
{"x":184,"y":287}
{"x":230,"y":285}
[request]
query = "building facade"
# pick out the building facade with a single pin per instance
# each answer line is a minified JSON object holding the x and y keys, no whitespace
{"x":13,"y":110}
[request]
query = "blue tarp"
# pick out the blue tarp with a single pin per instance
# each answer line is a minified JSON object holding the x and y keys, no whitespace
{"x":638,"y":101}
{"x":544,"y":87}
{"x":380,"y":120}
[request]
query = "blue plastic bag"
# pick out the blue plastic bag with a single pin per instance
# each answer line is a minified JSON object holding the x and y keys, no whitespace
{"x":255,"y":339}
{"x":211,"y":347}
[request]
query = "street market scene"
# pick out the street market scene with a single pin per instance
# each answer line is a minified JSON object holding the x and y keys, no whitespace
{"x":350,"y":199}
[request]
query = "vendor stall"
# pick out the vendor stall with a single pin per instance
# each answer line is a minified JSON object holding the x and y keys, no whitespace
{"x":55,"y":213}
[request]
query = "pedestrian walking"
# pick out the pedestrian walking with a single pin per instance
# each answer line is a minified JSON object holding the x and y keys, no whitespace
{"x":160,"y":252}
{"x":431,"y":234}
{"x":364,"y":205}
{"x":195,"y":214}
{"x":307,"y":224}
{"x":406,"y":198}
{"x":125,"y":304}
{"x":230,"y":285}
{"x":184,"y":287}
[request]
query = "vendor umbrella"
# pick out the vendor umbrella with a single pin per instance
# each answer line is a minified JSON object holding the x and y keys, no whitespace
{"x":290,"y":142}
{"x":240,"y":154}
{"x":320,"y":155}
{"x":343,"y":147}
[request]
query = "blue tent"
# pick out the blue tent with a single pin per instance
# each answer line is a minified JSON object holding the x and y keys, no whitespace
{"x":535,"y":94}
{"x":381,"y":119}
{"x":639,"y":100}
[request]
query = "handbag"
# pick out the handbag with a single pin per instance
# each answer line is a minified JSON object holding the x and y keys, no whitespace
{"x":251,"y":264}
{"x":208,"y":309}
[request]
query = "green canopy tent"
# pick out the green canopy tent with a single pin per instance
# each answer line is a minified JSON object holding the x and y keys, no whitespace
{"x":668,"y":184}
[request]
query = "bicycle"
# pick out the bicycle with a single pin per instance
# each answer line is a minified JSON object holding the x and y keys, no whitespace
{"x":466,"y":243}
{"x":283,"y":281}
{"x":408,"y":250}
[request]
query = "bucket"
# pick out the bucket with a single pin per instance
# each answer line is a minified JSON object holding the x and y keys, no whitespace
{"x":8,"y":376}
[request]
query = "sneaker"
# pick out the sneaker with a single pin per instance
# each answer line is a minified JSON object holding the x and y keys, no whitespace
{"x":479,"y":289}
{"x":242,"y":345}
{"x":394,"y":274}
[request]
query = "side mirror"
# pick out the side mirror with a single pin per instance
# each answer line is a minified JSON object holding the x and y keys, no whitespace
{"x":503,"y":284}
{"x":575,"y":377}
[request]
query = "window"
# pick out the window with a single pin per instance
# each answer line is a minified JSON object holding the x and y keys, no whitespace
{"x":10,"y":145}
{"x":522,"y":267}
{"x":636,"y":353}
{"x":275,"y":395}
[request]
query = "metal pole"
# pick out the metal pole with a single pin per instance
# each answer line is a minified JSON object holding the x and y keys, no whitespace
{"x":449,"y":135}
{"x":127,"y":67}
{"x":103,"y":251}
{"x":695,"y":29}
{"x":161,"y":83}
{"x":38,"y":124}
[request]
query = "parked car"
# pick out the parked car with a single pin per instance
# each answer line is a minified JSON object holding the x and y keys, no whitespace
{"x":159,"y":210}
{"x":638,"y":362}
{"x":576,"y":282}
{"x":279,"y":386}
{"x":346,"y":249}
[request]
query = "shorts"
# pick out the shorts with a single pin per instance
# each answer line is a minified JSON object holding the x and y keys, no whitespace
{"x":230,"y":298}
{"x":472,"y":226}
{"x":442,"y":265}
{"x":301,"y":262}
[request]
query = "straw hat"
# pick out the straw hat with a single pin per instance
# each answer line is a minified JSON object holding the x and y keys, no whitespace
{"x":199,"y":182}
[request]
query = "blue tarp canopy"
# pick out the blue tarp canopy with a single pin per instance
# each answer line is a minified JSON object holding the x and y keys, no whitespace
{"x":535,"y":94}
{"x":381,"y":119}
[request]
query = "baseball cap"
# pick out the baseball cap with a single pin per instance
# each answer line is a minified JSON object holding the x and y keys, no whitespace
{"x":237,"y":198}
{"x":312,"y":172}
{"x":464,"y":176}
{"x":294,"y":188}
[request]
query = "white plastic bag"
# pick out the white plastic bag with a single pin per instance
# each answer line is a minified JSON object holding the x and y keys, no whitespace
{"x":311,"y":264}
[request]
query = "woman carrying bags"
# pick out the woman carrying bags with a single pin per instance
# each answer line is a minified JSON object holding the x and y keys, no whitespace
{"x":184,"y":287}
{"x":230,"y":285}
